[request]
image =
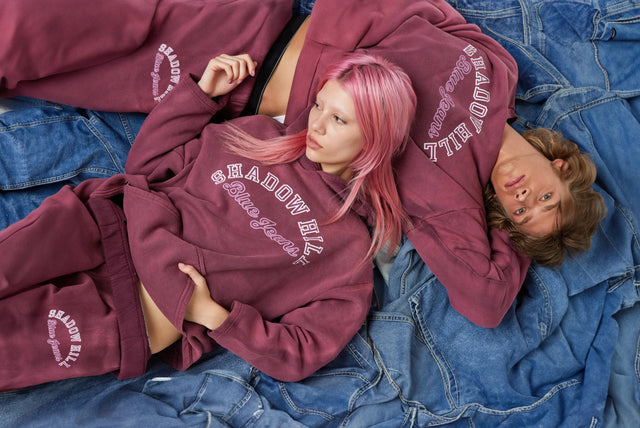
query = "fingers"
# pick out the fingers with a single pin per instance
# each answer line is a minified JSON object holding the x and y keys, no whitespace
{"x":193,"y":273}
{"x":225,"y":72}
{"x":236,"y":67}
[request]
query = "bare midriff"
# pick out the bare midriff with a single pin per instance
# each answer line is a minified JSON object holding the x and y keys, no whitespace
{"x":160,"y":331}
{"x":275,"y":98}
{"x":276,"y":93}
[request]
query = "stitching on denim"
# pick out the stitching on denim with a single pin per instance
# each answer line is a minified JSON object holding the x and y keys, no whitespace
{"x":303,"y":411}
{"x":369,"y":384}
{"x":94,"y":130}
{"x":127,"y":127}
{"x":616,"y":282}
{"x":405,"y":274}
{"x":366,"y":387}
{"x":546,"y":326}
{"x":629,"y":221}
{"x":410,"y":403}
{"x":596,"y":19}
{"x":476,"y":407}
{"x":578,"y":108}
{"x":39,"y":122}
{"x":449,"y":382}
{"x":206,"y":384}
{"x":57,"y":178}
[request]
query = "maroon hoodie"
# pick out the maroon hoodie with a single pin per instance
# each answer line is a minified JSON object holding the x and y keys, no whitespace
{"x":296,"y":286}
{"x":465,"y":82}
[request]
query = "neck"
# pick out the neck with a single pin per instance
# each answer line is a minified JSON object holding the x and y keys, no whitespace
{"x":513,"y":144}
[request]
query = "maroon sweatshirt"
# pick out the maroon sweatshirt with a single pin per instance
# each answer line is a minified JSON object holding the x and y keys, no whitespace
{"x":295,"y":286}
{"x":464,"y":80}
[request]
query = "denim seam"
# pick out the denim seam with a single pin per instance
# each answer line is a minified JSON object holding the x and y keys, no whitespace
{"x":544,"y":327}
{"x":90,"y":124}
{"x":39,"y":122}
{"x":287,"y":398}
{"x":127,"y":128}
{"x":538,"y":20}
{"x":57,"y":178}
{"x":495,"y":412}
{"x":366,"y":386}
{"x":568,"y":112}
{"x":446,"y":372}
{"x":209,"y":375}
{"x":522,"y":46}
{"x":622,"y":7}
{"x":404,"y":400}
{"x":605,"y":74}
{"x":405,"y":274}
{"x":629,"y":223}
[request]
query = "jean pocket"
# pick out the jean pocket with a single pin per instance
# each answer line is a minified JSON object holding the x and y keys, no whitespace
{"x":54,"y":144}
{"x":327,"y":397}
{"x":216,"y":392}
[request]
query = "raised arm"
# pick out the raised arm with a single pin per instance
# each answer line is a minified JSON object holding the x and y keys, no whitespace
{"x":480,"y":270}
{"x":159,"y":149}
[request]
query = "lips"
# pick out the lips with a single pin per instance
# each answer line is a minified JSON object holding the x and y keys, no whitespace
{"x":515,"y":182}
{"x":313,"y":144}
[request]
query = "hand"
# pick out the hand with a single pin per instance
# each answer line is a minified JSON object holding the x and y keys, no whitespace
{"x":202,"y":309}
{"x":225,"y":72}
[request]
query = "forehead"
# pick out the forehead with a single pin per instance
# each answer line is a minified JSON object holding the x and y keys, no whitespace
{"x":334,"y":94}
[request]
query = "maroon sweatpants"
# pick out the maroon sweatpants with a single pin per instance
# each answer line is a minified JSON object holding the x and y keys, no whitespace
{"x":69,"y":303}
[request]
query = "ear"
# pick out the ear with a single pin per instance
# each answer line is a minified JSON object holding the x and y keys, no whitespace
{"x":560,"y":164}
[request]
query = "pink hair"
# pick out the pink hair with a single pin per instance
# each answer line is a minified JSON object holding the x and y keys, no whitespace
{"x":385,"y":104}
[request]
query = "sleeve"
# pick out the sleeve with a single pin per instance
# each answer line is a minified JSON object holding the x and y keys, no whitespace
{"x":95,"y":31}
{"x":479,"y":268}
{"x":168,"y":137}
{"x":301,"y":341}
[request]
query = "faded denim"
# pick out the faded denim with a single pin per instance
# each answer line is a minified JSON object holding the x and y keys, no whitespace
{"x":45,"y":146}
{"x":417,"y":362}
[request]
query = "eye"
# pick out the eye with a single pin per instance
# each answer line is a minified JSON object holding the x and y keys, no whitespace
{"x":338,"y":119}
{"x":546,"y":197}
{"x":520,"y":211}
{"x":316,"y":105}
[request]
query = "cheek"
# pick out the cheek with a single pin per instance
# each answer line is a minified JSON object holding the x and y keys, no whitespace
{"x":355,"y":145}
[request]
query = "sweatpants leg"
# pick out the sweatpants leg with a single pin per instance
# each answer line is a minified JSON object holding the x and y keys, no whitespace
{"x":61,"y":329}
{"x":60,"y":237}
{"x":59,"y":294}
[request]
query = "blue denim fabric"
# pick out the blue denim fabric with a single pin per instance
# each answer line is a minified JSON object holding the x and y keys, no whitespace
{"x":45,"y":146}
{"x":565,"y":355}
{"x":590,"y":91}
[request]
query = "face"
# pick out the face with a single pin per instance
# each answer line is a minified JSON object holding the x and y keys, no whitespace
{"x":530,"y":188}
{"x":333,"y":135}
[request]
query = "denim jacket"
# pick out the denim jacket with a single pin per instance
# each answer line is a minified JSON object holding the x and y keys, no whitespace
{"x":565,"y":354}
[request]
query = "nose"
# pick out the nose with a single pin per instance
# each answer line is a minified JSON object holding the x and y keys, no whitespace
{"x":317,"y":124}
{"x":522,"y":193}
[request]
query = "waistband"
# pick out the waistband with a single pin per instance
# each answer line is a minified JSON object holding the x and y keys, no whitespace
{"x":134,"y":344}
{"x":271,"y":62}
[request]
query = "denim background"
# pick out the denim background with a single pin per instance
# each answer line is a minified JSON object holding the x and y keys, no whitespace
{"x":566,"y":354}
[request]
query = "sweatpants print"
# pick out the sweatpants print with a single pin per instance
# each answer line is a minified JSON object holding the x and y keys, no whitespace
{"x":57,"y":310}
